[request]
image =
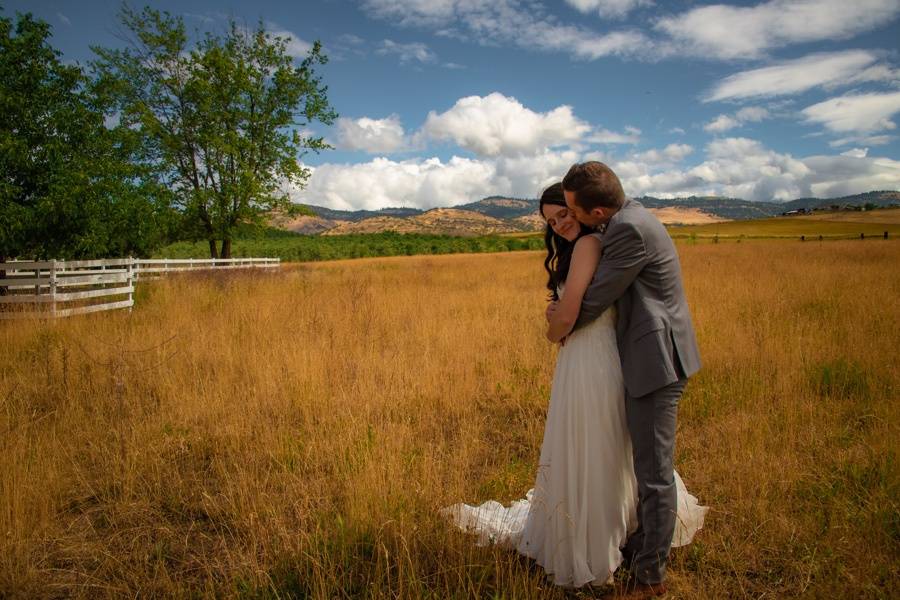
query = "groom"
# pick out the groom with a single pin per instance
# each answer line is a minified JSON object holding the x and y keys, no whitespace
{"x":639,"y":272}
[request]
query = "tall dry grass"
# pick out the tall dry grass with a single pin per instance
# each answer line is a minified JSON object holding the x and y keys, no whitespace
{"x":293,"y":434}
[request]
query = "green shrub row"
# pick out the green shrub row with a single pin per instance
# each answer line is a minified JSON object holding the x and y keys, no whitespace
{"x":305,"y":248}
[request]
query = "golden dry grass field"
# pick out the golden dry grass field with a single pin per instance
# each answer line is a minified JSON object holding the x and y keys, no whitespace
{"x":293,"y":435}
{"x":830,"y":225}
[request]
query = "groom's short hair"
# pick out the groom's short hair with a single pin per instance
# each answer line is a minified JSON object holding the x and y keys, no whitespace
{"x":594,"y":185}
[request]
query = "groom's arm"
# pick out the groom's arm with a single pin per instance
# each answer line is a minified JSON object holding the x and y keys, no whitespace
{"x":624,"y":255}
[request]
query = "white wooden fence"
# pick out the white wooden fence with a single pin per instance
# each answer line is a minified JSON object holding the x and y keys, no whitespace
{"x":57,"y":288}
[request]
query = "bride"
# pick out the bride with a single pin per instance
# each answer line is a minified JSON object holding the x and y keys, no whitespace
{"x":583,"y":505}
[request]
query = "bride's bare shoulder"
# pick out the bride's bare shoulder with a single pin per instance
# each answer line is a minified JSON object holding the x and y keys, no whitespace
{"x":588,"y":243}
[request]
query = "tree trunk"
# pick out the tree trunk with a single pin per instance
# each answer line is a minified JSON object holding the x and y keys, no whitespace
{"x":226,"y":248}
{"x":213,"y":251}
{"x":3,"y":290}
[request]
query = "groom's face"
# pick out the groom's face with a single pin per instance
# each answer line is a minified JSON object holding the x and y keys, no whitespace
{"x":593,"y":218}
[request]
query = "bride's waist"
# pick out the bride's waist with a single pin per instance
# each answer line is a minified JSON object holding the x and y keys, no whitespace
{"x":605,"y":322}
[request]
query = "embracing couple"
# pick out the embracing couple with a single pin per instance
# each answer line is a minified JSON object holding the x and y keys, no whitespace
{"x":606,"y":493}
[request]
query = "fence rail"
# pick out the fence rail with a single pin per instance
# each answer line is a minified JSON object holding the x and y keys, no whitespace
{"x":58,"y":288}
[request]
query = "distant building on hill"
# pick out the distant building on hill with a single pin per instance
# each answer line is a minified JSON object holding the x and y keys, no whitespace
{"x":799,"y":211}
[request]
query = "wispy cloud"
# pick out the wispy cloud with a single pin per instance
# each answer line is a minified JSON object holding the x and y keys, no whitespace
{"x":613,"y":9}
{"x":511,"y":22}
{"x":735,"y":32}
{"x":871,"y":140}
{"x":64,"y":19}
{"x":631,"y":135}
{"x":828,"y":69}
{"x":415,"y":52}
{"x":856,"y":113}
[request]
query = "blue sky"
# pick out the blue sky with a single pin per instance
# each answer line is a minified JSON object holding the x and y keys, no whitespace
{"x":444,"y":102}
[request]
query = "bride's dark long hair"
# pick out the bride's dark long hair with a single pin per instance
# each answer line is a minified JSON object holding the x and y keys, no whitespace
{"x":559,"y":249}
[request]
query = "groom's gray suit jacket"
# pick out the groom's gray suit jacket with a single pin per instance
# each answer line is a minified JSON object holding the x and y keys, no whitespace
{"x":639,"y":272}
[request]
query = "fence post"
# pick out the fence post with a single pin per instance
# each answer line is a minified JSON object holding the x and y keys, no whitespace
{"x":885,"y":235}
{"x":862,"y":236}
{"x":129,"y":270}
{"x":53,"y":288}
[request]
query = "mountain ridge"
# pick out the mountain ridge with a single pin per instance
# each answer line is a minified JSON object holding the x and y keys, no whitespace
{"x":505,"y":214}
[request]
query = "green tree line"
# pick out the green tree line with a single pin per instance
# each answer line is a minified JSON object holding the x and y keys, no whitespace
{"x":292,"y":247}
{"x":173,"y":137}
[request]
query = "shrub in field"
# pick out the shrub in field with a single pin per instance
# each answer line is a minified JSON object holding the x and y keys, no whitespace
{"x":840,"y":379}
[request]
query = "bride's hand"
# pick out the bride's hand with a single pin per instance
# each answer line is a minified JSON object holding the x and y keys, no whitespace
{"x":551,"y":308}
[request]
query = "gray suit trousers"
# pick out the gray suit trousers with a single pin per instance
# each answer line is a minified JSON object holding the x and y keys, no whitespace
{"x":651,"y":423}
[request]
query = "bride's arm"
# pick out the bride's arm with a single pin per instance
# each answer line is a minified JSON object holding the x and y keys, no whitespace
{"x":581,"y":271}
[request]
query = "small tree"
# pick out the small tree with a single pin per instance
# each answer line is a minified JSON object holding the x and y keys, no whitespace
{"x":220,"y":121}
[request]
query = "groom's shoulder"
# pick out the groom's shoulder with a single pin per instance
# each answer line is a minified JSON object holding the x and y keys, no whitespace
{"x":633,"y":212}
{"x":633,"y":215}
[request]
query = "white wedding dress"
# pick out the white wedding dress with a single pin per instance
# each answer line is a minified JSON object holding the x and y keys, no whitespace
{"x":583,"y":503}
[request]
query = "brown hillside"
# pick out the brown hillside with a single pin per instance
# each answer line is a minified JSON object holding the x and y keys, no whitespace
{"x":454,"y":221}
{"x":505,"y":202}
{"x":309,"y":225}
{"x":439,"y":221}
{"x":671,"y":215}
{"x":372,"y":225}
{"x":532,"y":222}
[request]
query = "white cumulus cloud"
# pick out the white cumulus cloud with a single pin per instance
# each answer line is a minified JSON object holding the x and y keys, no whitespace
{"x":429,"y":183}
{"x":745,"y":168}
{"x":745,"y":115}
{"x":495,"y":125}
{"x":721,"y":123}
{"x":382,"y":182}
{"x":371,"y":135}
{"x":295,"y":46}
{"x":736,"y":167}
{"x":673,"y":153}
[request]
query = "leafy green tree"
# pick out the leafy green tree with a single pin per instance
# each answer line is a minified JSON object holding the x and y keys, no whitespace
{"x":220,"y":118}
{"x":67,"y":188}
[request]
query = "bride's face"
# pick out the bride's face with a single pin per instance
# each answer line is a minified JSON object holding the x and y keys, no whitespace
{"x":562,"y":221}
